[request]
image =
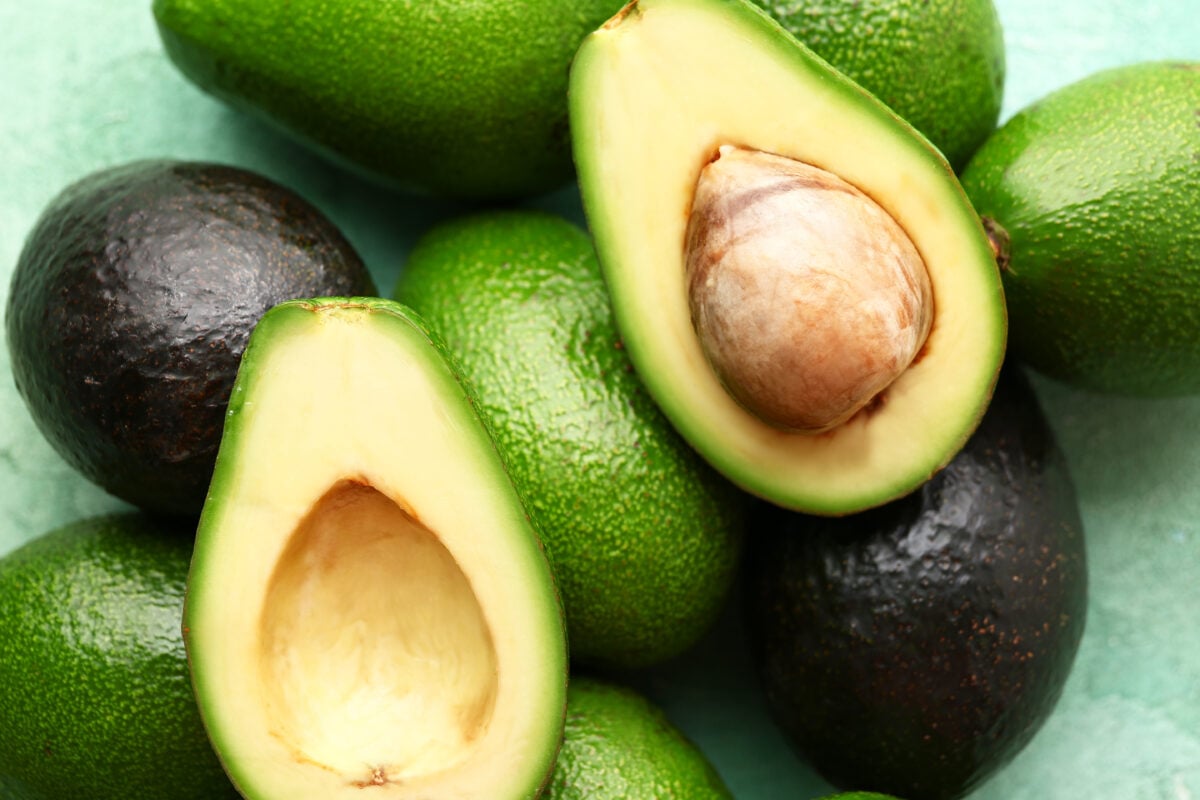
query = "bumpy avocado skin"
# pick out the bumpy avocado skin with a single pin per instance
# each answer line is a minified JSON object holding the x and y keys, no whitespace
{"x":132,"y":301}
{"x":938,"y":63}
{"x":463,"y":99}
{"x":1094,"y":186}
{"x":916,"y":648}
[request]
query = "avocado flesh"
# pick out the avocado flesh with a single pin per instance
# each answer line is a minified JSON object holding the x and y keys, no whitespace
{"x":654,"y":94}
{"x":348,"y":622}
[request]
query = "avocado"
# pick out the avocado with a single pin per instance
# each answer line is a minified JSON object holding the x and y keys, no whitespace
{"x":618,"y":745}
{"x":368,"y":605}
{"x":458,"y":99}
{"x":95,"y":699}
{"x":644,"y":536}
{"x":796,"y":273}
{"x":130,"y":305}
{"x":1093,"y":190}
{"x":939,"y":64}
{"x":916,"y":648}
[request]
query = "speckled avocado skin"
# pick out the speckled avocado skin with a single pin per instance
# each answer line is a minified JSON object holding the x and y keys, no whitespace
{"x":132,"y":301}
{"x":1096,"y":188}
{"x":939,"y":64}
{"x":465,"y":99}
{"x":95,"y":697}
{"x":916,"y":648}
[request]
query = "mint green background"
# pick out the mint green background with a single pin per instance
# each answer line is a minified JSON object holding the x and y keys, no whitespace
{"x":84,"y":84}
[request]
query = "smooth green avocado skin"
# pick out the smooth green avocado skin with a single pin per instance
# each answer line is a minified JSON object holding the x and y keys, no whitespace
{"x":618,"y":745}
{"x":644,"y":537}
{"x":939,"y":64}
{"x":1095,"y":185}
{"x":916,"y":648}
{"x":132,"y":300}
{"x":443,"y":96}
{"x":95,"y":697}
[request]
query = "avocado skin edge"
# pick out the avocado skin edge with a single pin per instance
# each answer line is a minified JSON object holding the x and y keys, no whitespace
{"x":916,"y":648}
{"x":132,"y":301}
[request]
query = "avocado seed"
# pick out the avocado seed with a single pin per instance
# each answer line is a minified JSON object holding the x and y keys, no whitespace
{"x":808,"y":299}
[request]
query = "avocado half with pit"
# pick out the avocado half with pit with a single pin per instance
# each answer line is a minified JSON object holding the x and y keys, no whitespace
{"x":368,"y":606}
{"x":799,"y":279}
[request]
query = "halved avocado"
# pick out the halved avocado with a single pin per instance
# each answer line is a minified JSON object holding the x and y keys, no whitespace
{"x":368,"y":605}
{"x":696,"y":121}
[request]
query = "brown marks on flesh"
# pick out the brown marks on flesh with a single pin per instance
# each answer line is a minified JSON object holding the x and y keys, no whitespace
{"x":807,"y":298}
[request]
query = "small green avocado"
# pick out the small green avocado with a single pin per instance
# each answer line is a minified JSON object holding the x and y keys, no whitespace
{"x":618,"y":745}
{"x":916,"y":648}
{"x":1093,"y":192}
{"x":95,"y":699}
{"x":130,"y":305}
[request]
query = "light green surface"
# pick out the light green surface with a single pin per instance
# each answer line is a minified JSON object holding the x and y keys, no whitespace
{"x":84,"y":84}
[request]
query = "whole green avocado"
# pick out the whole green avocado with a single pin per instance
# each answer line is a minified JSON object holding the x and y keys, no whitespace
{"x":131,"y":303}
{"x":95,"y":697}
{"x":465,"y":99}
{"x":1091,"y":193}
{"x":916,"y":648}
{"x":645,"y":538}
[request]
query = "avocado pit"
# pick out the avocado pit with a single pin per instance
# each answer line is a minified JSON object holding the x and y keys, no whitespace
{"x":808,"y":299}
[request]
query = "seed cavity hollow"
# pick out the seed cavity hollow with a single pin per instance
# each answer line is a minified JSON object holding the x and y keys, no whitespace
{"x":808,"y":298}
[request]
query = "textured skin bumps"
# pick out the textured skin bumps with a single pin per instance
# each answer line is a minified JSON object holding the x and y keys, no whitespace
{"x":619,"y":746}
{"x":1095,"y":186}
{"x":937,"y":63}
{"x":643,"y":535}
{"x":132,"y":301}
{"x":95,"y":698}
{"x":454,"y":98}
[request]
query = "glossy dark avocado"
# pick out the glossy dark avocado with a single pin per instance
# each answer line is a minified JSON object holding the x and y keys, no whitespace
{"x":130,"y":306}
{"x":915,"y":648}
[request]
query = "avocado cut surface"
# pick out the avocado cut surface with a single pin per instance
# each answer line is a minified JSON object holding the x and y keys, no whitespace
{"x":644,"y":536}
{"x":131,"y":302}
{"x":368,"y":605}
{"x":464,"y":99}
{"x":916,"y":648}
{"x":95,"y":699}
{"x":656,"y":94}
{"x":1095,"y":188}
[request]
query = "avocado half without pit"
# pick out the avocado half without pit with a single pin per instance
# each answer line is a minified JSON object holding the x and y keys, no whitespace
{"x":368,"y":606}
{"x":799,"y":278}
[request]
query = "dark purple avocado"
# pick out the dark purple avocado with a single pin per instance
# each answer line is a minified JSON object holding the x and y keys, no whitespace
{"x":132,"y":301}
{"x":916,"y":648}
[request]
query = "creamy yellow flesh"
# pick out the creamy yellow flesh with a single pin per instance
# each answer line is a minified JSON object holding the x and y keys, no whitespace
{"x":368,"y":607}
{"x":665,"y":87}
{"x":374,"y":649}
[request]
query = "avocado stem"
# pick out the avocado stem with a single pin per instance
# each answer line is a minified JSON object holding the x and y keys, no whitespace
{"x":1000,"y":241}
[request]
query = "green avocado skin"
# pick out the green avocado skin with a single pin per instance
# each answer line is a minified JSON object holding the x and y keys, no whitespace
{"x":461,"y":99}
{"x":914,"y":649}
{"x":939,"y":64}
{"x":1095,"y":186}
{"x":95,"y":697}
{"x":131,"y":303}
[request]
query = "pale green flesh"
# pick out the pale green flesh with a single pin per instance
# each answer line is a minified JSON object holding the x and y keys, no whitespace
{"x":654,"y":94}
{"x":368,"y":607}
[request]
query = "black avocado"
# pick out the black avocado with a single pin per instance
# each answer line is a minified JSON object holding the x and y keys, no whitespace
{"x":914,"y":649}
{"x":131,"y":303}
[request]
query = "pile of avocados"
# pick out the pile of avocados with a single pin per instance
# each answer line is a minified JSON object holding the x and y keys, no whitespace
{"x":427,"y":540}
